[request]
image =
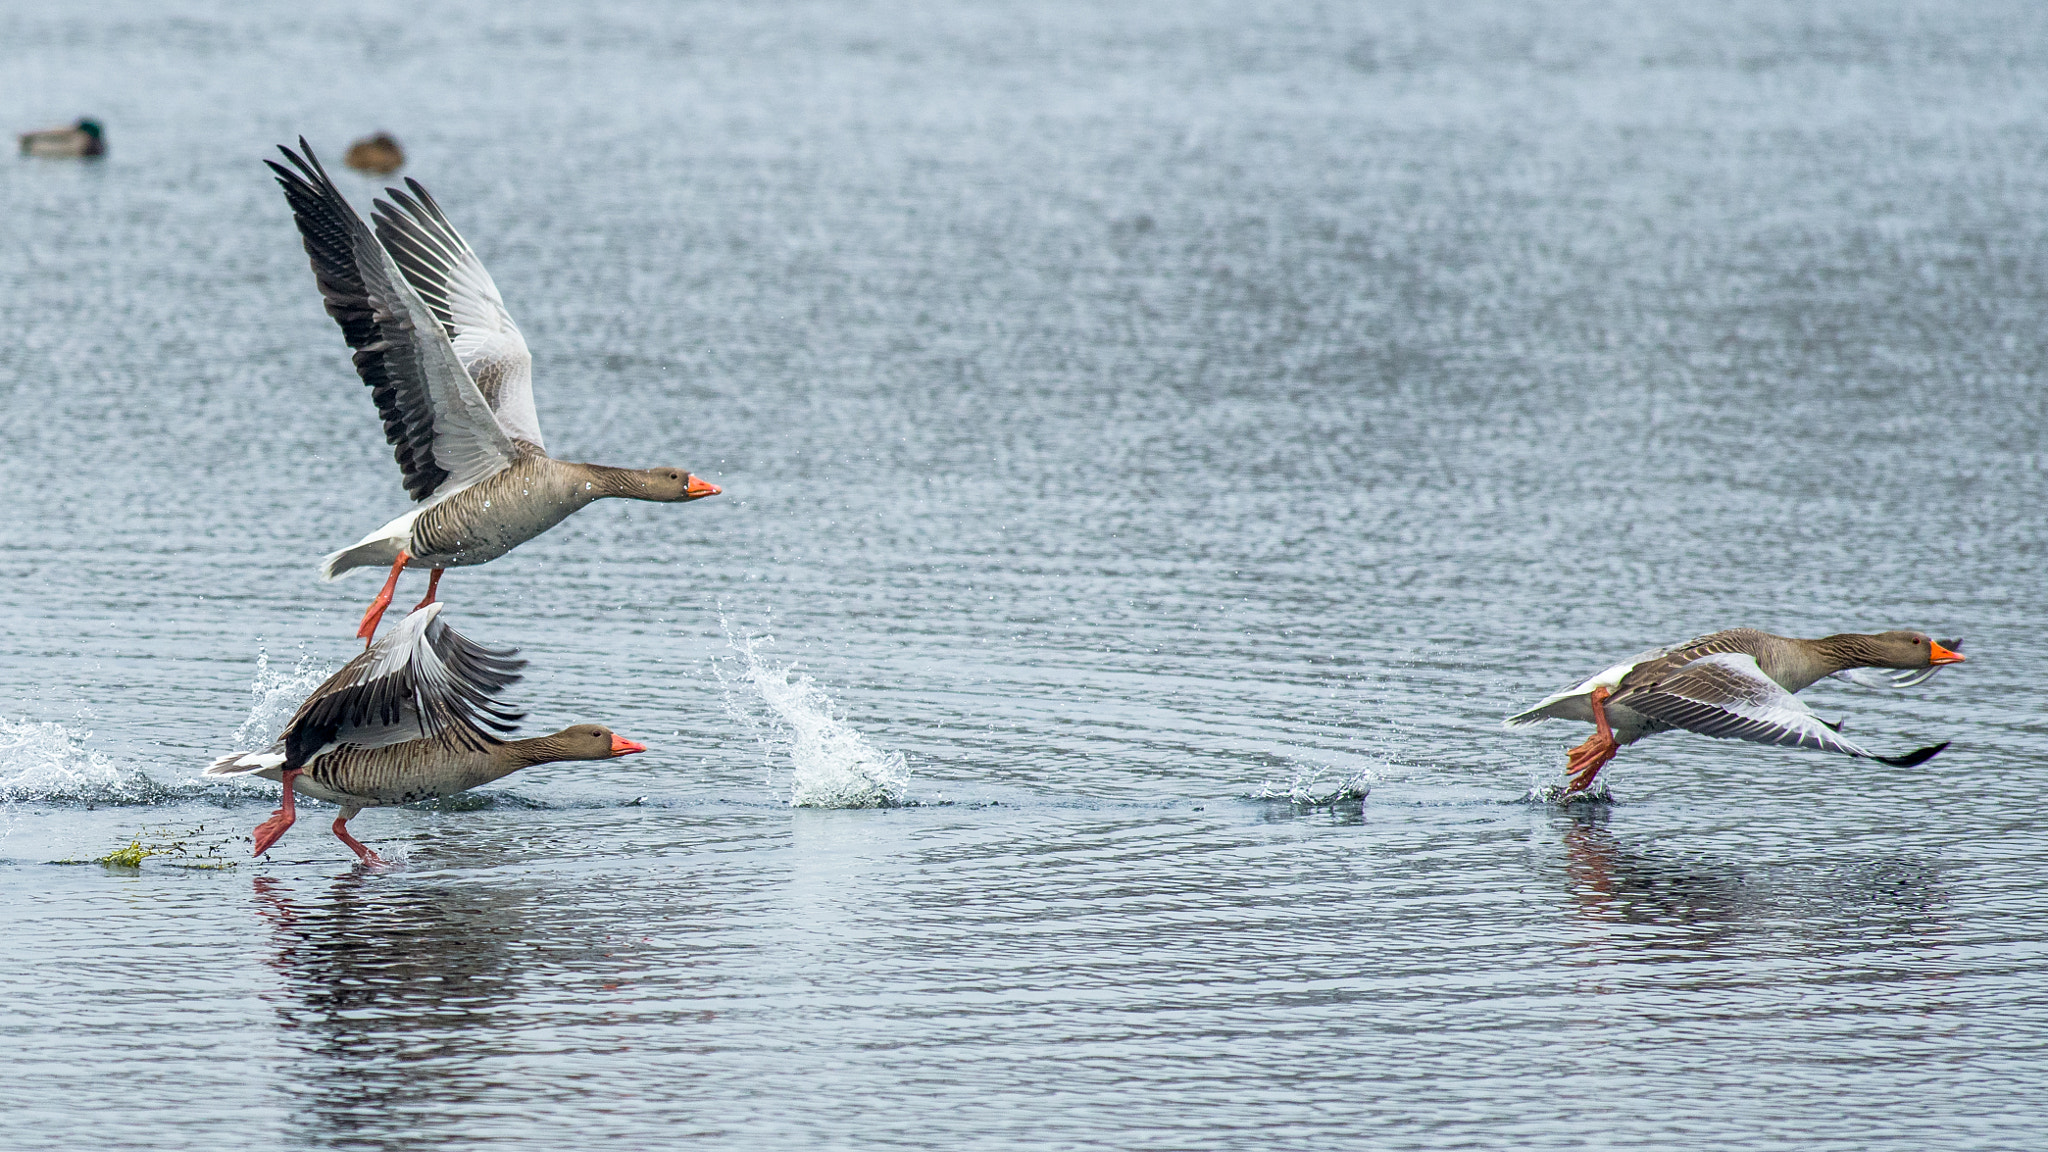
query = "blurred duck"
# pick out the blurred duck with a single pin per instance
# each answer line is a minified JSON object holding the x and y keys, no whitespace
{"x":377,"y":155}
{"x":453,"y":382}
{"x":409,"y":719}
{"x":81,"y":139}
{"x":1737,"y":684}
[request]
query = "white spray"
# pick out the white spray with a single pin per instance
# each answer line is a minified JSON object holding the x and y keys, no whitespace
{"x":276,"y":696}
{"x":41,"y":760}
{"x":831,"y":765}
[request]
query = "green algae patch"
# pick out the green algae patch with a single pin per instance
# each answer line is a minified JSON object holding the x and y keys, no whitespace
{"x":190,"y":848}
{"x":130,"y":857}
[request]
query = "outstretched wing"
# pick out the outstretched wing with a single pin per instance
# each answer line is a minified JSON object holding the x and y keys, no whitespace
{"x":423,"y":679}
{"x":1727,"y":695}
{"x":451,"y":280}
{"x":442,"y":431}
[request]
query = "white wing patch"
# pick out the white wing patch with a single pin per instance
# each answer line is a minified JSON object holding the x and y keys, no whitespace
{"x":445,"y":271}
{"x":1727,"y":695}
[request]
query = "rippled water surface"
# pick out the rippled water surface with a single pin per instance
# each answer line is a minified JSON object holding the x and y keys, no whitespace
{"x":1125,"y":413}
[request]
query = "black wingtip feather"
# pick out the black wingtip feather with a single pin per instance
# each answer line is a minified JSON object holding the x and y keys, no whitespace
{"x":426,"y":198}
{"x":332,"y":231}
{"x":1912,"y":759}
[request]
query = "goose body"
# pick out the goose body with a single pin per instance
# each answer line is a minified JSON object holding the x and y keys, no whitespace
{"x":410,"y":719}
{"x":357,"y":776}
{"x":1737,"y":684}
{"x":76,"y":141}
{"x":484,"y":521}
{"x":453,"y":381}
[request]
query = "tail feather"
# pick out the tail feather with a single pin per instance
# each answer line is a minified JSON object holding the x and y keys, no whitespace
{"x":239,"y":763}
{"x":367,"y":554}
{"x":379,"y":548}
{"x":1547,"y":710}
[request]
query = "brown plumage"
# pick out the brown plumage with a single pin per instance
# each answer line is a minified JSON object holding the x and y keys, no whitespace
{"x":1736,"y":684}
{"x":377,"y":155}
{"x":411,"y":718}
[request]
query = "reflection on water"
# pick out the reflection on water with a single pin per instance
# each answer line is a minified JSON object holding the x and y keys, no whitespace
{"x":1702,"y":902}
{"x":1613,"y":882}
{"x":393,"y":995}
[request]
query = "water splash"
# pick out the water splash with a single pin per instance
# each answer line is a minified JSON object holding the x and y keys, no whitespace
{"x":276,"y":696}
{"x":1548,"y":789}
{"x":832,"y":765}
{"x":44,"y":760}
{"x":1316,"y":786}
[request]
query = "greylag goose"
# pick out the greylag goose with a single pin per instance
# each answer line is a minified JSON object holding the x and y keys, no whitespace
{"x":1737,"y":684}
{"x":377,"y":155}
{"x":78,"y":140}
{"x":454,"y":383}
{"x":410,"y":718}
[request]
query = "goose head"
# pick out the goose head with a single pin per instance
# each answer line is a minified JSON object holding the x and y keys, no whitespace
{"x":1906,"y":650}
{"x":591,"y":742}
{"x":673,"y":485}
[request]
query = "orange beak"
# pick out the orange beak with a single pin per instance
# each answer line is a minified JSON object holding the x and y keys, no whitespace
{"x":624,"y":747}
{"x":1941,"y":655}
{"x":699,"y":489}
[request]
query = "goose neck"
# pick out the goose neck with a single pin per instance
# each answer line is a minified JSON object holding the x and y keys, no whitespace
{"x":1846,"y":650}
{"x":526,"y":753}
{"x":600,"y":481}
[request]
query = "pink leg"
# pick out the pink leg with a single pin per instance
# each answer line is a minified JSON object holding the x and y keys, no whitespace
{"x":268,"y":831}
{"x":433,"y":582}
{"x":368,"y":630}
{"x":362,"y":853}
{"x":1585,"y":761}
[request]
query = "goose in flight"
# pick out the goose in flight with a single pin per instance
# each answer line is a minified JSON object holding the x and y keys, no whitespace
{"x":1737,"y":684}
{"x":453,"y":381}
{"x":410,"y":718}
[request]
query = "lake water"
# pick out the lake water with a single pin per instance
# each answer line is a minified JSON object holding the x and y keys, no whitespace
{"x":1124,"y":412}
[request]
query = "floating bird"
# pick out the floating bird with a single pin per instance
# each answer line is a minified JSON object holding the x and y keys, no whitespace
{"x":81,"y":139}
{"x":377,"y":155}
{"x":409,"y":719}
{"x":454,"y":383}
{"x":1738,"y":684}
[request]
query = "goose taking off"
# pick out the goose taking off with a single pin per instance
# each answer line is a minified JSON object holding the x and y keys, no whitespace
{"x":411,"y":718}
{"x":1738,"y":684}
{"x":454,"y":383}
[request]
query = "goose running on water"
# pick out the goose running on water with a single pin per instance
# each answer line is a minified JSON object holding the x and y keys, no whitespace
{"x":1737,"y":684}
{"x":411,"y":718}
{"x":453,"y":381}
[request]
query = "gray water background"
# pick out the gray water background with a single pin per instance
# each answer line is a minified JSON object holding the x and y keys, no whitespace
{"x":1121,"y":409}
